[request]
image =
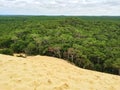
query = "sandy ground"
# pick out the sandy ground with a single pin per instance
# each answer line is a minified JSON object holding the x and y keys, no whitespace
{"x":47,"y":73}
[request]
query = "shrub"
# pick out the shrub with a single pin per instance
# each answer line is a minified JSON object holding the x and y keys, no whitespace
{"x":6,"y":51}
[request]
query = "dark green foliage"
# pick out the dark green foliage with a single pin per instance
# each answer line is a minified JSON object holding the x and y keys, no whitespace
{"x":31,"y":49}
{"x":5,"y":42}
{"x":6,"y":51}
{"x":88,"y":42}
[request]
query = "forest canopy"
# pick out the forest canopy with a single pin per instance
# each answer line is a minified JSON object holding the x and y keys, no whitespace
{"x":88,"y":42}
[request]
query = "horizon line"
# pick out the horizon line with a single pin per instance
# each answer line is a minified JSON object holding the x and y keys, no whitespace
{"x":57,"y":15}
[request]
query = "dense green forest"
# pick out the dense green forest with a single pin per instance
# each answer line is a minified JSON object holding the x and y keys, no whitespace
{"x":88,"y":42}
